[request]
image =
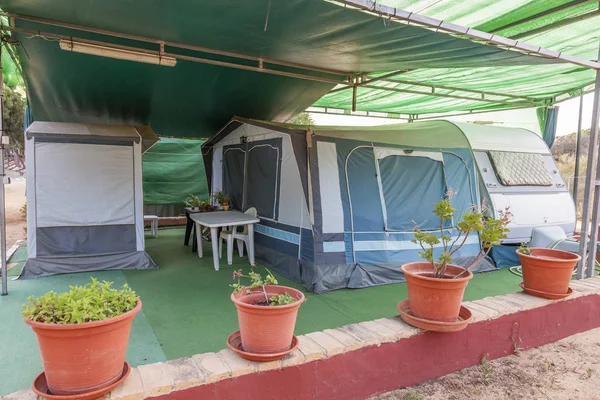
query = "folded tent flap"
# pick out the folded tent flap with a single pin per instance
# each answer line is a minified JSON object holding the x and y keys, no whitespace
{"x":149,"y":138}
{"x":93,"y":132}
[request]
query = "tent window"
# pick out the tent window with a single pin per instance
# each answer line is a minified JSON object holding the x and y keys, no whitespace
{"x":262,"y":179}
{"x":520,"y":169}
{"x":410,"y":186}
{"x":233,"y":174}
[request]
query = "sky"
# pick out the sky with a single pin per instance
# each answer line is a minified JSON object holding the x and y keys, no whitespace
{"x":567,"y":118}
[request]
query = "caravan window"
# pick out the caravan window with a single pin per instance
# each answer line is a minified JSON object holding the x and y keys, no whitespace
{"x":520,"y":169}
{"x":410,"y":183}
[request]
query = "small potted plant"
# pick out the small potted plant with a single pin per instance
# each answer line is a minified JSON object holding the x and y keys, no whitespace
{"x":222,"y":199}
{"x":266,"y":313}
{"x":83,"y":335}
{"x":546,"y":272}
{"x":436,"y":287}
{"x":206,"y":206}
{"x":193,"y":202}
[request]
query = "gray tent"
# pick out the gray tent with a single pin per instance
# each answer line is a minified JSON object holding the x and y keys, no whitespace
{"x":337,"y":205}
{"x":84,"y":198}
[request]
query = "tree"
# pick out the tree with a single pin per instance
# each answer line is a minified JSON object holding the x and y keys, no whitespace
{"x":12,"y":121}
{"x":302,"y":119}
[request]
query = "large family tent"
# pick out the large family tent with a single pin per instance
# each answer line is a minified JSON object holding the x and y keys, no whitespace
{"x":338,"y":204}
{"x":84,"y":198}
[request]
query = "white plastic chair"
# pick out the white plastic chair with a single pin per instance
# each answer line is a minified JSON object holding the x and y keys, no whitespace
{"x":242,"y":237}
{"x":228,"y":236}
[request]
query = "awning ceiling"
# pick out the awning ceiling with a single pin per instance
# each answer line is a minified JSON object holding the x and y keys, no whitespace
{"x":195,"y":99}
{"x":572,"y":26}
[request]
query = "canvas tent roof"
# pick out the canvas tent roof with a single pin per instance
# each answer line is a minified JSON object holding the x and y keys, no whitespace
{"x":306,"y":46}
{"x":445,"y":133}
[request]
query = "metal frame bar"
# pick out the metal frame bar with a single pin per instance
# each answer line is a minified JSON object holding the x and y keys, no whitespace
{"x":106,"y":32}
{"x":392,"y":13}
{"x":178,"y":56}
{"x":591,"y":183}
{"x":435,"y":93}
{"x":546,"y":13}
{"x":348,"y":113}
{"x":364,"y":81}
{"x":481,"y":94}
{"x":3,"y":267}
{"x":411,"y":117}
{"x":385,"y":77}
{"x":558,"y":24}
{"x":578,"y":154}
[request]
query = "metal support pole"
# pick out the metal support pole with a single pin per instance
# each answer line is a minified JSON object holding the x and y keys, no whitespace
{"x":594,"y":229}
{"x":590,"y":183}
{"x":578,"y":155}
{"x":4,"y":270}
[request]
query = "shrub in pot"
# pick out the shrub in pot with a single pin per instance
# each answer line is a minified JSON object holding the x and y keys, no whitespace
{"x":266,"y":312}
{"x":222,"y":199}
{"x":193,"y":202}
{"x":436,"y":287}
{"x":83,"y":335}
{"x":547,"y":270}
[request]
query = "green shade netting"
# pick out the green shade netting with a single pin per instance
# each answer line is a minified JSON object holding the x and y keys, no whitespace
{"x":540,"y":84}
{"x":172,"y":169}
{"x":194,"y":99}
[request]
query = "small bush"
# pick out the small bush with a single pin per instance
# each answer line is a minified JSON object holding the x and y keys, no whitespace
{"x":23,"y":211}
{"x":95,"y":301}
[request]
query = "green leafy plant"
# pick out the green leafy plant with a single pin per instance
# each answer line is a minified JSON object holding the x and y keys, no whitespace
{"x":193,"y":201}
{"x":490,"y":230}
{"x":257,"y":281}
{"x":95,"y":301}
{"x":220,"y":197}
{"x":523,"y":249}
{"x":23,"y":210}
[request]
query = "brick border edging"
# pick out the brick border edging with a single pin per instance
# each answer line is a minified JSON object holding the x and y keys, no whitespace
{"x":370,"y":357}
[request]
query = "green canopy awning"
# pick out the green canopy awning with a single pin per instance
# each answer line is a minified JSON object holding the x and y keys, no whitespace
{"x":306,"y":46}
{"x":561,"y":25}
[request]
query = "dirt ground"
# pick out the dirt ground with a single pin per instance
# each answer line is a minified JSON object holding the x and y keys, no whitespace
{"x":15,"y":223}
{"x":567,"y":369}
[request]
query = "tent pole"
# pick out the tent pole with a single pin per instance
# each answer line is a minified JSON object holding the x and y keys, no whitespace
{"x":2,"y":179}
{"x":594,"y":228}
{"x":577,"y":154}
{"x":590,"y":182}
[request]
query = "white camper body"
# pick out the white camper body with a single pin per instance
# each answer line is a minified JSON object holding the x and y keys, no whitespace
{"x":535,"y":197}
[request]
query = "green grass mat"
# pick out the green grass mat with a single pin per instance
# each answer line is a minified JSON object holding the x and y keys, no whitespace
{"x":20,"y":255}
{"x":187,"y":302}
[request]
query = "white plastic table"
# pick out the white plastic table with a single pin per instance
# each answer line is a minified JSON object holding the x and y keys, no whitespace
{"x":219,"y":219}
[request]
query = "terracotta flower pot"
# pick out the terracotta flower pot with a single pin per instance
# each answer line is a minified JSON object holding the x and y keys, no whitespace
{"x":548,"y":270}
{"x":266,"y":329}
{"x":80,"y":358}
{"x":434,"y":298}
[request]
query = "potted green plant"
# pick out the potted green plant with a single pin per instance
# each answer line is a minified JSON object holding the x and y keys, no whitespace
{"x":436,"y":287}
{"x":547,"y":272}
{"x":193,"y":202}
{"x":83,"y":335}
{"x":266,"y":313}
{"x":206,"y":206}
{"x":222,"y":199}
